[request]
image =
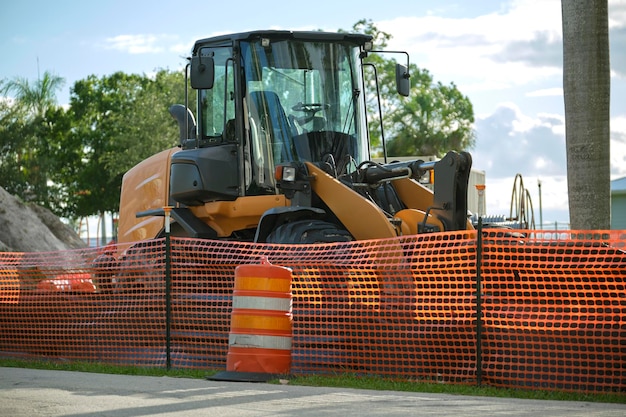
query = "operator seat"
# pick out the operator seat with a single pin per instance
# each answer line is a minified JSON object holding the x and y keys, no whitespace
{"x":265,"y":107}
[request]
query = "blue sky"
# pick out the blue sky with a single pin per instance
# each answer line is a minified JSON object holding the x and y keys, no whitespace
{"x":504,"y":55}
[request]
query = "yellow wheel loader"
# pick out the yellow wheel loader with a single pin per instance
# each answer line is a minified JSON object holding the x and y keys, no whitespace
{"x":278,"y":151}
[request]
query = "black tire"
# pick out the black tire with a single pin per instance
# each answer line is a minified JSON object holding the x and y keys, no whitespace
{"x":307,"y":232}
{"x":140,"y":268}
{"x":104,"y":267}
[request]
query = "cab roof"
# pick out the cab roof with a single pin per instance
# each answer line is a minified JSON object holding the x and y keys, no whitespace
{"x":356,"y":38}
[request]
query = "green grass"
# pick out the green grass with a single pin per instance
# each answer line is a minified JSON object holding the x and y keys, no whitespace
{"x":346,"y":380}
{"x":385,"y":384}
{"x":103,"y":368}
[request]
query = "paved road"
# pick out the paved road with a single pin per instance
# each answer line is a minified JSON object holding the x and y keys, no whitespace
{"x":29,"y":392}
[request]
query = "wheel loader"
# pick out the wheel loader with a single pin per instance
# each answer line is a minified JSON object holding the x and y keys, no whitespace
{"x":278,"y":151}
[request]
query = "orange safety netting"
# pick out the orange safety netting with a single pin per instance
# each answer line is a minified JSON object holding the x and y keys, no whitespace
{"x":555,"y":310}
{"x":60,"y":306}
{"x":550,"y":313}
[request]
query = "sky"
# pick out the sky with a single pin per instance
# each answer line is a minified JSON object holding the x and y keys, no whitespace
{"x":506,"y":56}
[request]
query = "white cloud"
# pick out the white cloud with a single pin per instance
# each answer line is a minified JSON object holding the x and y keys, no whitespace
{"x":617,"y":13}
{"x":182,"y":49}
{"x":618,"y":147}
{"x":490,"y":52}
{"x":540,"y":163}
{"x":546,"y":92}
{"x":618,"y":159}
{"x":510,"y":142}
{"x":139,"y":44}
{"x":618,"y":124}
{"x":521,"y":123}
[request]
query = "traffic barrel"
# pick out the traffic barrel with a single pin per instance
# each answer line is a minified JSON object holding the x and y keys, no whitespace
{"x":260,"y":338}
{"x":78,"y":282}
{"x":9,"y":286}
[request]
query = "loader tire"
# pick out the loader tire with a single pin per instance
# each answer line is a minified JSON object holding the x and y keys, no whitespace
{"x":139,"y":269}
{"x":309,"y":231}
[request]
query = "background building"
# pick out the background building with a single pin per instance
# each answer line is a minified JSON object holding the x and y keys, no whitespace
{"x":618,"y":204}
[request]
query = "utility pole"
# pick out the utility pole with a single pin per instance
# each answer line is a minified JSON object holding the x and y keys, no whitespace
{"x":540,"y":209}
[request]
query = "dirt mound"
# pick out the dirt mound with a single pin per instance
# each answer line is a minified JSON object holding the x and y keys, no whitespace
{"x":27,"y":227}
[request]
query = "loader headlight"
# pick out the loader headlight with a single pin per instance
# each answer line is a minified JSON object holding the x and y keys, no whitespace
{"x":285,"y":173}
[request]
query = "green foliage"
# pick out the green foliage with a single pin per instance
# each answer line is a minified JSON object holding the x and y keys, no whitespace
{"x":72,"y":161}
{"x":118,"y":120}
{"x":27,"y":143}
{"x":34,"y":99}
{"x":434,"y":119}
{"x":12,"y":129}
{"x":367,"y":27}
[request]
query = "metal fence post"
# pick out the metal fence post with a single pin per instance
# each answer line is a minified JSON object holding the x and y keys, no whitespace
{"x":479,"y":304}
{"x":168,"y":291}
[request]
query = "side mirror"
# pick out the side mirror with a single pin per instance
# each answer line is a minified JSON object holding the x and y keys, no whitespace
{"x":202,"y":72}
{"x":403,"y":82}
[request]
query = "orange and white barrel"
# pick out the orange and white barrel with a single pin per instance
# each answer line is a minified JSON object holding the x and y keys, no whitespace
{"x":261,"y":320}
{"x":9,"y":286}
{"x":78,"y":282}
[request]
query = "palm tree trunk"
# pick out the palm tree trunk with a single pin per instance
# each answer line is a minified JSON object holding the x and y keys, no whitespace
{"x":586,"y":89}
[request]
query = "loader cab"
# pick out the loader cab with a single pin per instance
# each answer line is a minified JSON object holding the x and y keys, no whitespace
{"x":275,"y":97}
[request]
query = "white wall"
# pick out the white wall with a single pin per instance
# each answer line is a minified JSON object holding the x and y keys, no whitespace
{"x":618,"y":211}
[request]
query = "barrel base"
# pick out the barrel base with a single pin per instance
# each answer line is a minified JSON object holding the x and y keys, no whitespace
{"x":235,"y":376}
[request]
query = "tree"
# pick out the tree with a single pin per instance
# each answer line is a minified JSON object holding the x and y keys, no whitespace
{"x":434,"y":119}
{"x":13,"y":128}
{"x":117,"y":121}
{"x":73,"y":161}
{"x":27,"y":158}
{"x":586,"y":90}
{"x":35,"y":98}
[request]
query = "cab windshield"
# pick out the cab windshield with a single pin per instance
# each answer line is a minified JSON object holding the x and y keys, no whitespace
{"x":303,"y":101}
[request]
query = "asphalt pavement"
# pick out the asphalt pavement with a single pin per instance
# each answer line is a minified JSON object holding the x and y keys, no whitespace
{"x":30,"y":392}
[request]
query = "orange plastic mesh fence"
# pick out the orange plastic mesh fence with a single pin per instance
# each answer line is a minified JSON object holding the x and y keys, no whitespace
{"x":84,"y":305}
{"x":356,"y":306}
{"x":553,"y":306}
{"x":555,"y":310}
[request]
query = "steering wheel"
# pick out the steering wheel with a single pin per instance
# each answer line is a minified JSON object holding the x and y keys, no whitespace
{"x":310,"y":108}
